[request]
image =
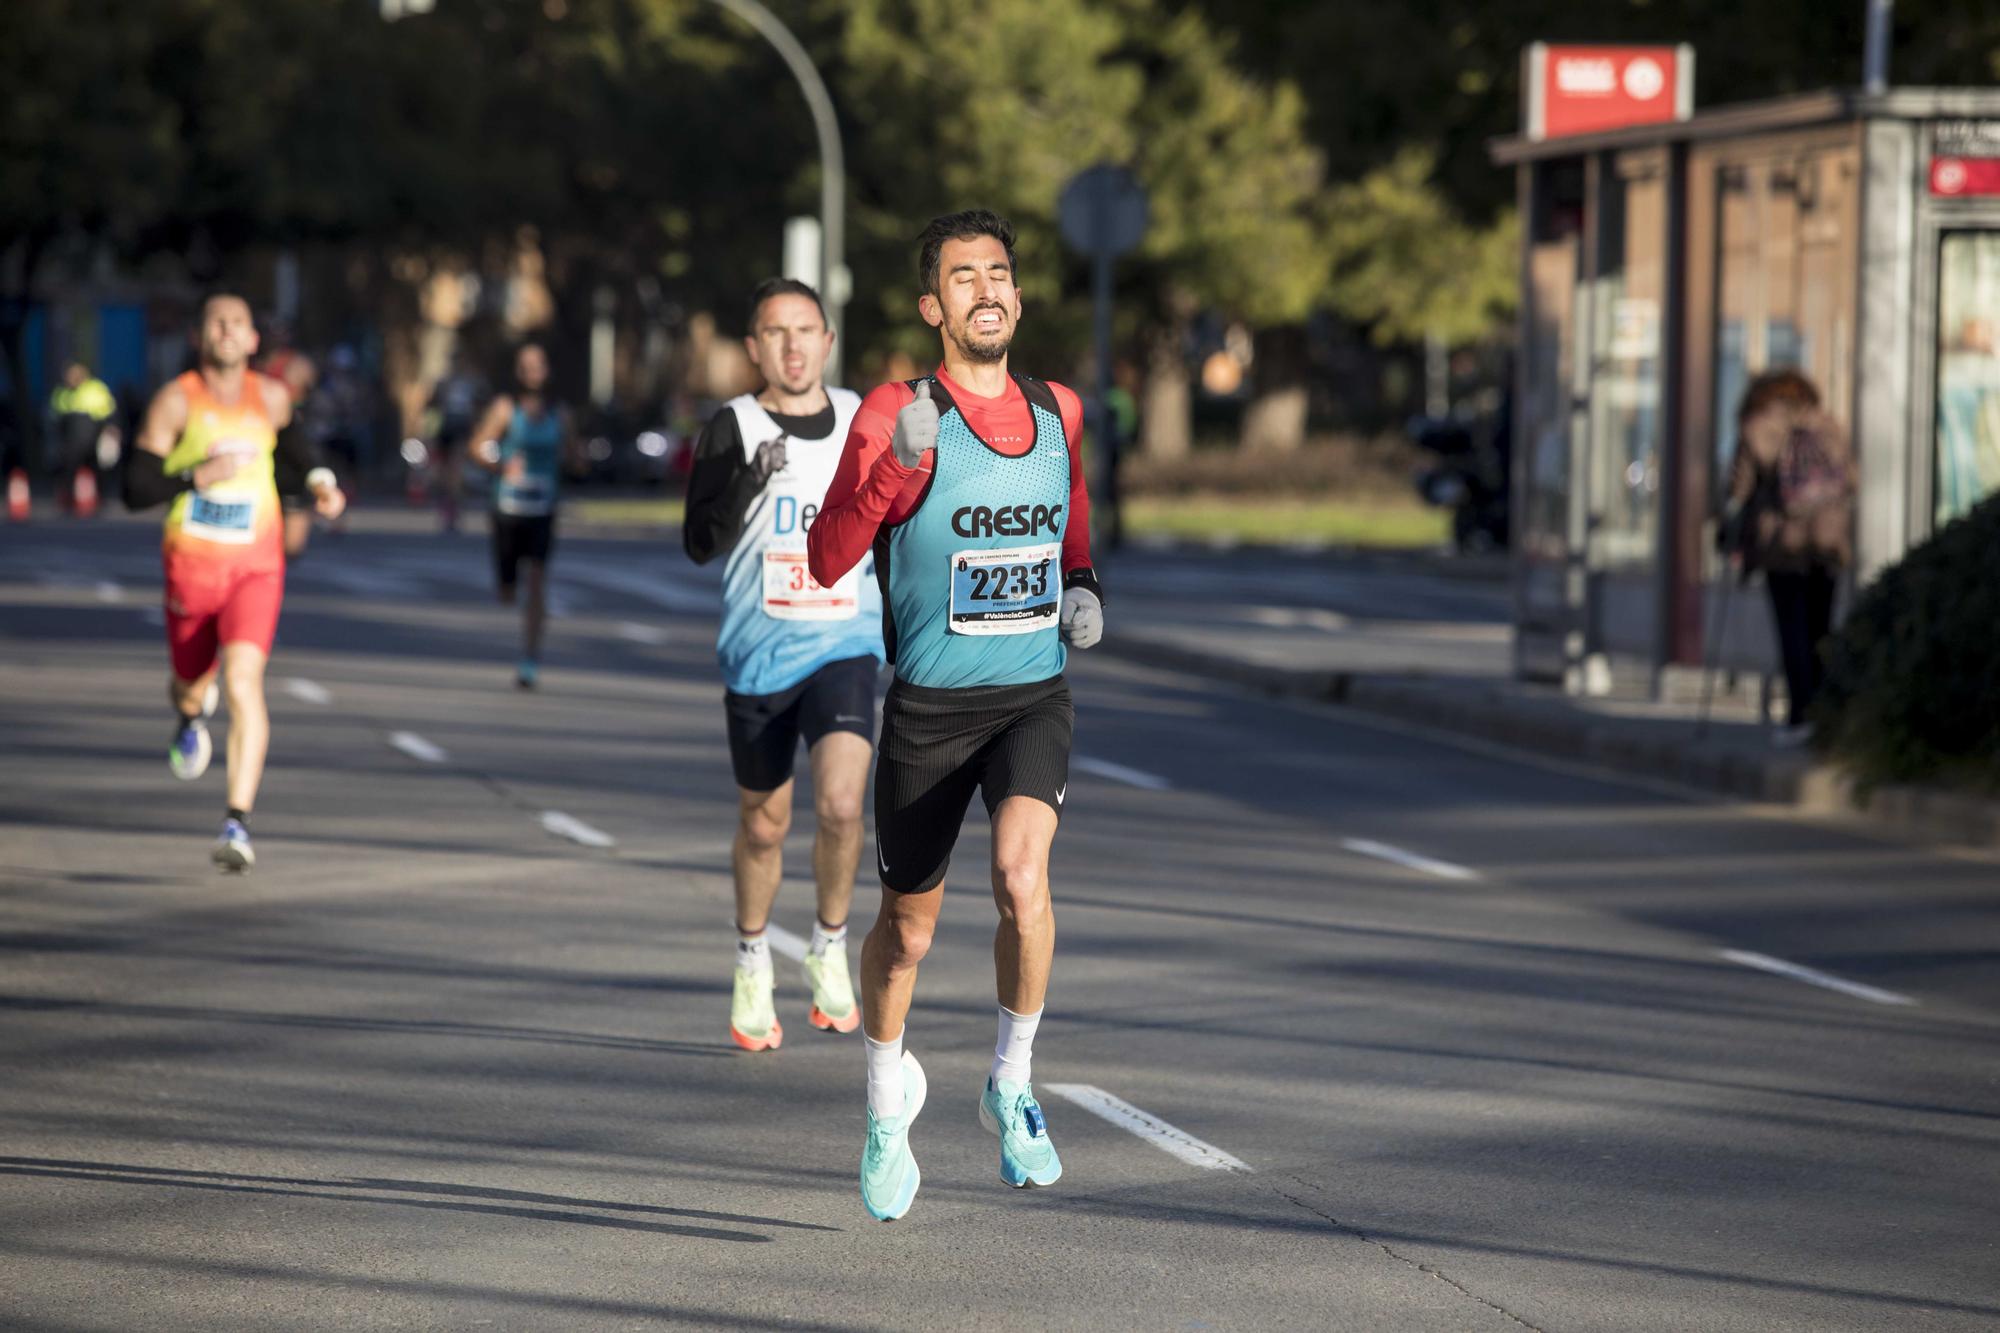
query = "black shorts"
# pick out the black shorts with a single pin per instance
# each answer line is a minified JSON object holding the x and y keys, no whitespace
{"x":518,"y":537}
{"x":938,"y":745}
{"x":764,"y":729}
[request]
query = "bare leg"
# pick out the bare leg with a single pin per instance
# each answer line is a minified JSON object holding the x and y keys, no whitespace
{"x":1025,"y":944}
{"x":187,"y":696}
{"x":249,"y":724}
{"x":763,"y":819}
{"x":534,"y":607}
{"x":889,"y":958}
{"x":839,"y":773}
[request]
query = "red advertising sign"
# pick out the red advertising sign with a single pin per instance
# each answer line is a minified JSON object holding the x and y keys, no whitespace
{"x":1584,"y":89}
{"x":1965,"y":158}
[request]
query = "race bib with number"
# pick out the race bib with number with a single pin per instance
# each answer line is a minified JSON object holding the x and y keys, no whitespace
{"x":1015,"y":591}
{"x":791,"y":592}
{"x":220,"y":520}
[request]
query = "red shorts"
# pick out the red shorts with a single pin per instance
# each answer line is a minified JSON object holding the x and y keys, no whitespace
{"x":210,"y":603}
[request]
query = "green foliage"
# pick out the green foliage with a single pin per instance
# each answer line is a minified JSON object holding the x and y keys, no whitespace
{"x":1407,"y":266}
{"x":1910,"y":692}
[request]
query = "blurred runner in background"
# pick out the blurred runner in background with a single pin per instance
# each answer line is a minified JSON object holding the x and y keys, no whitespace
{"x":526,"y":439}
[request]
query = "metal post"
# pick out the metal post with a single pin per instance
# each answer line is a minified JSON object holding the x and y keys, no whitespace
{"x":833,"y":167}
{"x":1875,"y":56}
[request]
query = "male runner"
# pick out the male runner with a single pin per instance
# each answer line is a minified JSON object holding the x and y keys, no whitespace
{"x":969,"y":488}
{"x":207,"y":444}
{"x":525,"y":438}
{"x":799,"y":659}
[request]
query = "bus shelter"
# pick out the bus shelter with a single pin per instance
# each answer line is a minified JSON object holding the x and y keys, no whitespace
{"x":1854,"y":236}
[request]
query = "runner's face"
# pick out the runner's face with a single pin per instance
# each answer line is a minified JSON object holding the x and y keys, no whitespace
{"x":790,"y":343}
{"x":977,"y":305}
{"x":531,"y":368}
{"x":228,"y":338}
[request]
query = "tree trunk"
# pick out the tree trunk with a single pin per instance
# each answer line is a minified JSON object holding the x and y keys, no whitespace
{"x":1275,"y":420}
{"x":1166,"y":417}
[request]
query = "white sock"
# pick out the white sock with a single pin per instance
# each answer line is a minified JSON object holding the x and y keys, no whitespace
{"x":885,"y":1076}
{"x":824,"y":939}
{"x":753,"y":952}
{"x":1014,"y":1050}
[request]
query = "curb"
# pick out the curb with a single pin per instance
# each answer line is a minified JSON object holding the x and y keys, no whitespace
{"x":1923,"y":814}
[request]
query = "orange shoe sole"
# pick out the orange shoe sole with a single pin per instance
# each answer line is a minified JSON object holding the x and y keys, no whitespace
{"x":768,"y":1043}
{"x":826,"y":1024}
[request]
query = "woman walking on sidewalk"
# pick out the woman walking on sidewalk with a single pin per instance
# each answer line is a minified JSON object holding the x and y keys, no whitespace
{"x":1791,"y":515}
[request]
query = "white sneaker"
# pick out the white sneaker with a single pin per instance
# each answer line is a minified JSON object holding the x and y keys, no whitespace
{"x":753,"y":1019}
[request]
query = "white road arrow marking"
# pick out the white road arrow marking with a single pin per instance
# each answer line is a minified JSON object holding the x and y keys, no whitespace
{"x":569,"y":826}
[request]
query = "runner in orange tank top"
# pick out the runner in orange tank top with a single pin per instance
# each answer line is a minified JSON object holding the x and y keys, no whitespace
{"x":207,"y":445}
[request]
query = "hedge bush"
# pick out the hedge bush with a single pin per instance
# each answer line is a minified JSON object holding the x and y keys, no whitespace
{"x":1913,"y":674}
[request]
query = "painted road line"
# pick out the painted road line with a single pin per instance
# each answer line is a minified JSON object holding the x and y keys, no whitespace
{"x":651,"y":635}
{"x":153,"y":615}
{"x":1763,"y":962}
{"x":1152,"y":1129}
{"x":1131,"y":777}
{"x":568,"y":826}
{"x":107,"y":591}
{"x":310,"y":691}
{"x":1382,"y":851}
{"x":417,"y":747}
{"x":786,"y":943}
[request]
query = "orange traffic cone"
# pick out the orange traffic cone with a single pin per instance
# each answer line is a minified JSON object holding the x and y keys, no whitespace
{"x":84,"y":493}
{"x":17,"y":496}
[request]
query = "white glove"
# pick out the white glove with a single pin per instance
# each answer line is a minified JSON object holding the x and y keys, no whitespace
{"x":916,"y":428}
{"x":1082,"y":618}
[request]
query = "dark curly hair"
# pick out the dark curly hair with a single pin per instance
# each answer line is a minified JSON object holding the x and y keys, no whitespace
{"x":968,"y":225}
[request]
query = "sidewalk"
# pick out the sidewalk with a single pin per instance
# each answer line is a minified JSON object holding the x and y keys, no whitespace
{"x":1434,"y":647}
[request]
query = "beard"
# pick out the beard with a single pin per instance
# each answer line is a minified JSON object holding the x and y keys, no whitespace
{"x":988,"y":349}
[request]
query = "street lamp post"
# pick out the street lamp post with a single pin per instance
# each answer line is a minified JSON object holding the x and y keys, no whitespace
{"x":1875,"y":55}
{"x":832,"y":163}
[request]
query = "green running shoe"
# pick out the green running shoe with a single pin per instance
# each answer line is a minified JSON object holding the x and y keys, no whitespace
{"x":1026,"y":1155}
{"x":753,"y":1022}
{"x":833,"y":1007}
{"x":889,"y":1175}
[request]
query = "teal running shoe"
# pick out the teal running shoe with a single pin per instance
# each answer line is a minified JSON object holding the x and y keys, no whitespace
{"x":889,"y":1175}
{"x":526,"y":673}
{"x":1026,"y":1155}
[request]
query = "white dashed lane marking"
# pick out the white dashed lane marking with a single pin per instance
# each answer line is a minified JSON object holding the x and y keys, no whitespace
{"x":1152,"y":1129}
{"x":1131,"y":777}
{"x":569,"y":826}
{"x":107,"y":591}
{"x":651,"y":635}
{"x":311,"y":692}
{"x":1763,"y":962}
{"x":417,"y":747}
{"x":1382,"y":851}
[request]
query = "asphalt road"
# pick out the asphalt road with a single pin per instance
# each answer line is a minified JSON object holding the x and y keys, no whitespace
{"x":1441,"y":1037}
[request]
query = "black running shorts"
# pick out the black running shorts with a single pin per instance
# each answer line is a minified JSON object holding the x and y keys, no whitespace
{"x":939,"y":745}
{"x":518,"y":537}
{"x":765,"y":729}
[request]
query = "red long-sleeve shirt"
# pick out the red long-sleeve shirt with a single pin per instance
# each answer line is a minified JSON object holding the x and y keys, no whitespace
{"x":871,"y":489}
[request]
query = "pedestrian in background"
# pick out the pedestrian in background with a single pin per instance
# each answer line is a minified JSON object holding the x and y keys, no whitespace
{"x":1791,"y":516}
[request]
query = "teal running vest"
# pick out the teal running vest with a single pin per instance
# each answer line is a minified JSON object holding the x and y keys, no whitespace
{"x":972,"y":579}
{"x":537,"y":441}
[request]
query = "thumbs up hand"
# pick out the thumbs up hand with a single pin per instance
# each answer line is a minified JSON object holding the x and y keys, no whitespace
{"x":916,"y":428}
